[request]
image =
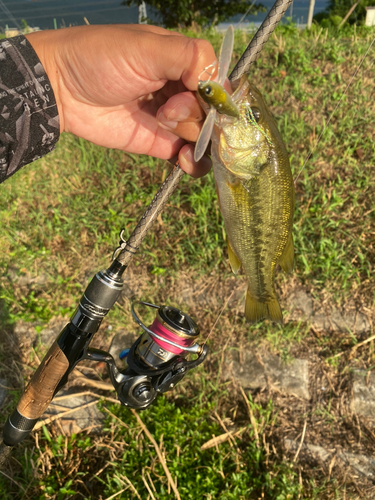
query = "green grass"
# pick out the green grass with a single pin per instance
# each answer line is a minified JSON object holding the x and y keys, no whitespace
{"x":67,"y":210}
{"x":335,"y":191}
{"x":61,"y":218}
{"x":233,"y":470}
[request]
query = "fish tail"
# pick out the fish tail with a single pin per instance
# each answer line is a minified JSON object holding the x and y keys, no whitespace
{"x":255,"y":310}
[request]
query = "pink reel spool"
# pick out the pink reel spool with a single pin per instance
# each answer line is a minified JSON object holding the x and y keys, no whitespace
{"x":182,"y":338}
{"x":171,"y":334}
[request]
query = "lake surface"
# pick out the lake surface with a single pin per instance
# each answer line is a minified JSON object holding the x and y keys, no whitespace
{"x":44,"y":13}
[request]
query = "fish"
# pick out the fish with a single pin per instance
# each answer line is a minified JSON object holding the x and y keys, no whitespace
{"x":255,"y":190}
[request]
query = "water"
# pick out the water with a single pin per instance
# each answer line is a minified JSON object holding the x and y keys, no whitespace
{"x":298,"y":12}
{"x":42,"y":13}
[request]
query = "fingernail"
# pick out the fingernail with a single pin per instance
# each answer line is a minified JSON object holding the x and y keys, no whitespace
{"x":179,"y":113}
{"x":163,"y":122}
{"x":191,"y":167}
{"x":204,"y":161}
{"x":189,"y":156}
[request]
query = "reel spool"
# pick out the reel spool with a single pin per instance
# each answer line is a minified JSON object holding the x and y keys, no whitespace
{"x":171,"y":334}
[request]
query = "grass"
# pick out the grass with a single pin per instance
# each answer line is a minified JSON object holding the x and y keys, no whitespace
{"x":335,"y":209}
{"x":107,"y":190}
{"x":234,"y":471}
{"x":61,"y":218}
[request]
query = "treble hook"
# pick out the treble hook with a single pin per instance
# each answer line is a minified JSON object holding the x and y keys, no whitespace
{"x":206,"y":71}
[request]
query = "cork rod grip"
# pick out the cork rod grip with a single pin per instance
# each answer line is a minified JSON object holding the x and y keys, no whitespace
{"x":42,"y":386}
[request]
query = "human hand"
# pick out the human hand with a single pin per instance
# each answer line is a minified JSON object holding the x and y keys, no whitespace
{"x":129,"y":87}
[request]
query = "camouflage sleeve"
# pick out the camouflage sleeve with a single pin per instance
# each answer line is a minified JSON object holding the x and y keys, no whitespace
{"x":29,"y":121}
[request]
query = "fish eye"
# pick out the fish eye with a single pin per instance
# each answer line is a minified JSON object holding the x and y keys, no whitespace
{"x":256,"y":114}
{"x":207,"y":90}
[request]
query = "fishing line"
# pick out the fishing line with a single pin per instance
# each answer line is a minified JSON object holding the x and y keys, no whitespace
{"x":334,"y":111}
{"x":219,"y":316}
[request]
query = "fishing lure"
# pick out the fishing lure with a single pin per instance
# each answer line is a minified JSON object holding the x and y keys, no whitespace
{"x":214,"y":94}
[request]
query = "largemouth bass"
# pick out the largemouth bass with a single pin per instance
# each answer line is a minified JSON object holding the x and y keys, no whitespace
{"x":256,"y":197}
{"x":254,"y":185}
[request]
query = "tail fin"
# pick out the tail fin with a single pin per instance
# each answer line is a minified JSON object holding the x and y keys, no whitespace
{"x":255,"y":310}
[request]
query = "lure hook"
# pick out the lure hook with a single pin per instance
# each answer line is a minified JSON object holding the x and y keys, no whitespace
{"x":210,"y":75}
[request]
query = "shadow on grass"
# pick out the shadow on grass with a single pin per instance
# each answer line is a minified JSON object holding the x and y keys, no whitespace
{"x":17,"y":476}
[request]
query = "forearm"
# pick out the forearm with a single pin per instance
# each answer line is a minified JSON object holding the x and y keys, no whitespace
{"x":129,"y":87}
{"x":29,"y":121}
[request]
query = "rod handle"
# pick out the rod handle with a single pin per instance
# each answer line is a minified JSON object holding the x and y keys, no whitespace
{"x":37,"y":396}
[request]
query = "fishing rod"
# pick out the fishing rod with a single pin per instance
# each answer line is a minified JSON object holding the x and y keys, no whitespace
{"x":158,"y":358}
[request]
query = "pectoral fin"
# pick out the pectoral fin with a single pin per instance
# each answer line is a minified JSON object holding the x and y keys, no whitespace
{"x":235,"y":263}
{"x":287,"y":258}
{"x":246,"y":183}
{"x":205,"y":135}
{"x":255,"y":310}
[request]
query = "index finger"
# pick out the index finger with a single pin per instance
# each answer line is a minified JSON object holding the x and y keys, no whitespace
{"x":177,"y":58}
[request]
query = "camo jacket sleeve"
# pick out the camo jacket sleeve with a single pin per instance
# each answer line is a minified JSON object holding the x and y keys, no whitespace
{"x":29,"y":121}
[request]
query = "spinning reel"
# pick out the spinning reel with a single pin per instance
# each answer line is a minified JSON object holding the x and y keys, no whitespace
{"x":156,"y":362}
